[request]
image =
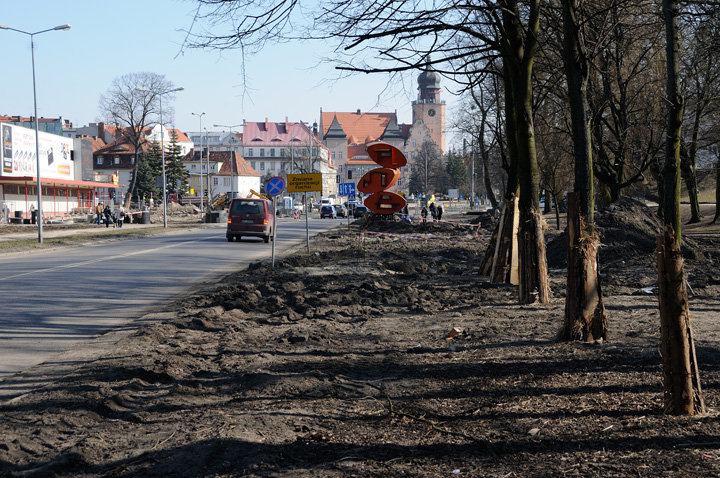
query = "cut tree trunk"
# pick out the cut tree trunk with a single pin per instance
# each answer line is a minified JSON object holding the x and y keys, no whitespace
{"x":532,"y":261}
{"x":585,"y":317}
{"x":682,"y":391}
{"x":717,"y":191}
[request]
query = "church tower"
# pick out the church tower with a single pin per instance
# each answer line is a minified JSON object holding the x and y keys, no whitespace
{"x":429,"y":109}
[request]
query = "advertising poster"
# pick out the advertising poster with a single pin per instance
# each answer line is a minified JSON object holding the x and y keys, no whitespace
{"x":18,"y":153}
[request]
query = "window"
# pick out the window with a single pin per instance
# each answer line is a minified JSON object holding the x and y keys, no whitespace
{"x":226,"y":181}
{"x":132,"y":160}
{"x":414,"y":143}
{"x":262,"y":165}
{"x":116,"y":160}
{"x":252,"y":164}
{"x":262,"y":152}
{"x":272,"y":152}
{"x":99,"y":160}
{"x":192,"y":166}
{"x":349,"y":173}
{"x":332,"y":155}
{"x":282,"y":153}
{"x":339,"y":154}
{"x":250,"y":152}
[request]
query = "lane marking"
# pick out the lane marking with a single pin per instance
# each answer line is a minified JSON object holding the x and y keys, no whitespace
{"x":102,"y":259}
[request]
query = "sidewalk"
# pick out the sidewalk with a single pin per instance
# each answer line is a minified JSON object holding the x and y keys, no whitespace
{"x":51,"y":231}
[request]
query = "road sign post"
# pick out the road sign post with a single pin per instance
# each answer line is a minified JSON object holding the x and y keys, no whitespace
{"x":305,"y":183}
{"x":274,"y":186}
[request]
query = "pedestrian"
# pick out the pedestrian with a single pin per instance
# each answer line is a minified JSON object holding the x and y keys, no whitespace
{"x":108,"y":216}
{"x":439,"y":212}
{"x":99,"y":212}
{"x":120,"y":216}
{"x":433,"y":211}
{"x":423,"y":214}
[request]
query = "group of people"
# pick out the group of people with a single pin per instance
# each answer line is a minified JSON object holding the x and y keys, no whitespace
{"x":105,"y":215}
{"x":436,"y":212}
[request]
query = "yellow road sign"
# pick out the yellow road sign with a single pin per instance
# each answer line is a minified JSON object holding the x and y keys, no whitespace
{"x":301,"y":183}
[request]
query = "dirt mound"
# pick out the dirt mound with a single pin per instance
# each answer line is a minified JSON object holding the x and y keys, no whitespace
{"x":628,"y":232}
{"x":175,"y":208}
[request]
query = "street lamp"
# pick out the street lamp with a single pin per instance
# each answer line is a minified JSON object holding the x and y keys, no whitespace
{"x":37,"y":135}
{"x":200,"y":115}
{"x":232,"y":173}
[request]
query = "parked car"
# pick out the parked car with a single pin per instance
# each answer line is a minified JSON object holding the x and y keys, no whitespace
{"x":249,"y":217}
{"x":340,"y":210}
{"x":351,"y":207}
{"x":360,"y":211}
{"x":328,"y":211}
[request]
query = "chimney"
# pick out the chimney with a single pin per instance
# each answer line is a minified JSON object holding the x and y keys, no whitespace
{"x":101,"y":130}
{"x":358,"y":111}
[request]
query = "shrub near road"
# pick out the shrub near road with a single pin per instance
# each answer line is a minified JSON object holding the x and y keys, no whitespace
{"x":380,"y":357}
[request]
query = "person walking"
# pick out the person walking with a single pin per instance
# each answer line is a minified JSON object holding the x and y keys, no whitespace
{"x":433,"y":211}
{"x":107,"y":212}
{"x":99,"y":212}
{"x":120,"y":216}
{"x":423,"y":214}
{"x":439,"y":212}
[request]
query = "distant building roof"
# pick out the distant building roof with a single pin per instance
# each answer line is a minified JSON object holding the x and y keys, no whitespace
{"x":283,"y":134}
{"x":368,"y":126}
{"x":229,"y":159}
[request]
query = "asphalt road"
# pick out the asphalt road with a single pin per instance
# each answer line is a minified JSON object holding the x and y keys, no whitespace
{"x":55,"y":301}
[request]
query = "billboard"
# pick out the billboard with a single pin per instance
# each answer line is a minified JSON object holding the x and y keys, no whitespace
{"x":18,"y":153}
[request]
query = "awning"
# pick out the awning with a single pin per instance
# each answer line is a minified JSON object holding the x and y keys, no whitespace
{"x":56,"y":182}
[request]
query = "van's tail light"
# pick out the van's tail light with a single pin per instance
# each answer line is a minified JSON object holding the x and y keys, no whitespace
{"x":229,"y":221}
{"x":265,"y":222}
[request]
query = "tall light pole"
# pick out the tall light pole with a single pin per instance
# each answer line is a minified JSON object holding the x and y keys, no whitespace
{"x":37,"y":135}
{"x":200,"y":115}
{"x":232,"y":173}
{"x":162,"y":149}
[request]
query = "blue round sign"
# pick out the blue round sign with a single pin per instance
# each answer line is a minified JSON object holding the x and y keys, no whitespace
{"x":275,"y":186}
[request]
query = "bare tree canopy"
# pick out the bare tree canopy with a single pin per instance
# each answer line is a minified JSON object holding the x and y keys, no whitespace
{"x":132,"y":103}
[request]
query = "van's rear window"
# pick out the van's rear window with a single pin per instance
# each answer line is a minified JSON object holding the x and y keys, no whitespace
{"x":249,"y":207}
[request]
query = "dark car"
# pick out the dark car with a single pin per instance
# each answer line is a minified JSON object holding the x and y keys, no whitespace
{"x":249,"y":217}
{"x":328,"y":211}
{"x":360,"y":211}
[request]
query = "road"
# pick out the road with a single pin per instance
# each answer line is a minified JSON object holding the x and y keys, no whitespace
{"x":53,"y":301}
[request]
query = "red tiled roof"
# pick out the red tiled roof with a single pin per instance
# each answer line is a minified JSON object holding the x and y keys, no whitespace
{"x":242,"y":167}
{"x":367,"y":126}
{"x":358,"y":155}
{"x":276,"y":135}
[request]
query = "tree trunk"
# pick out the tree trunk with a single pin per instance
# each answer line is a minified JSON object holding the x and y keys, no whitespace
{"x":585,"y":318}
{"x":584,"y":310}
{"x":488,"y":182}
{"x":519,"y":55}
{"x":683,"y":395}
{"x":687,"y":165}
{"x":682,"y":391}
{"x":131,"y":186}
{"x":717,"y":191}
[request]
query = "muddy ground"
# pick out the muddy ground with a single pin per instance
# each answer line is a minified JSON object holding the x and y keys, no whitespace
{"x":385,"y":355}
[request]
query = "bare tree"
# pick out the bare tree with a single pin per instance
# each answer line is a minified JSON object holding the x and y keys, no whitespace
{"x":132,"y":103}
{"x":683,"y":394}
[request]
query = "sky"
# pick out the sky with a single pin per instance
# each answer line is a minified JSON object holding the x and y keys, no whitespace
{"x":109,"y":39}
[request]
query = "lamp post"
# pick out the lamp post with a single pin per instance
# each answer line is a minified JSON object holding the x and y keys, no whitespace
{"x":232,"y":165}
{"x":200,"y":115}
{"x":37,"y":135}
{"x":162,"y":149}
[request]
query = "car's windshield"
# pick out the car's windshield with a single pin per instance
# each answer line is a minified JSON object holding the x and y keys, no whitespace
{"x":249,"y":207}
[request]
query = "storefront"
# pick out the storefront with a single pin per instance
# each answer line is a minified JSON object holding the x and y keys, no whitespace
{"x":60,"y":197}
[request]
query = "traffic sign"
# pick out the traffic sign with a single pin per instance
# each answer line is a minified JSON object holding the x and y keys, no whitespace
{"x":301,"y":183}
{"x":346,"y":189}
{"x":275,"y":186}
